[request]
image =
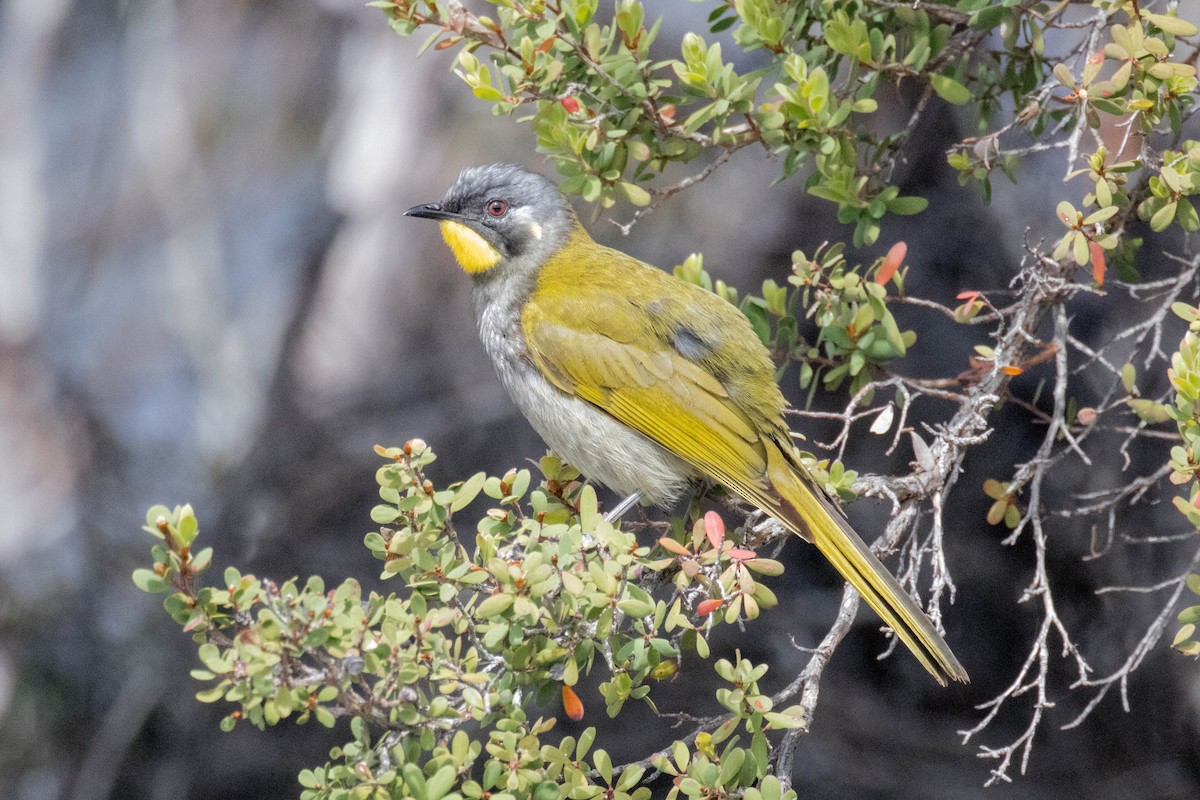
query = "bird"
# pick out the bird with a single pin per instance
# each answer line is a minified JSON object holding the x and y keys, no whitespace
{"x":645,"y":383}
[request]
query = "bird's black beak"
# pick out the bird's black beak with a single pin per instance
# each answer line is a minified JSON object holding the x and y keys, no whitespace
{"x":430,"y":211}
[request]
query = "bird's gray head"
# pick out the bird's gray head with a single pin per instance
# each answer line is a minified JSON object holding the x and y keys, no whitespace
{"x":500,"y":212}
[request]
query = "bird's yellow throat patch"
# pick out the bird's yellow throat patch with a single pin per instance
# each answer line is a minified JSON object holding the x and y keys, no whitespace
{"x":473,"y":252}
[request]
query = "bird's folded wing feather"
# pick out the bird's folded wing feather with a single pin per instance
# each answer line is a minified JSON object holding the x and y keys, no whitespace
{"x":653,"y":389}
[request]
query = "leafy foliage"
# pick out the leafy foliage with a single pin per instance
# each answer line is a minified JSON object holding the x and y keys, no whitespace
{"x":545,"y":596}
{"x":1185,"y":457}
{"x":613,"y":118}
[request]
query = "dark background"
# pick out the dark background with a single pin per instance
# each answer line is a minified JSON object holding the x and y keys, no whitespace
{"x":208,"y":295}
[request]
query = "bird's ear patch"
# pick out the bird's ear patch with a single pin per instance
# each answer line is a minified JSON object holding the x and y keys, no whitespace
{"x":471,"y":250}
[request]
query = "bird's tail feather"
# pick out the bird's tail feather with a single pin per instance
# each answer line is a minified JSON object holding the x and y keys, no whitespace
{"x":805,"y":509}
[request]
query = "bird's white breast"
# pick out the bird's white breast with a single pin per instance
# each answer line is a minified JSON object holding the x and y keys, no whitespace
{"x":603,"y":449}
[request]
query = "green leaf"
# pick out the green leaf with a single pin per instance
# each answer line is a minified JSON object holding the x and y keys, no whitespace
{"x":1064,"y":75}
{"x":589,"y":514}
{"x":1185,"y":312}
{"x":758,"y":321}
{"x":1129,"y":377}
{"x":489,"y":93}
{"x":1172,"y":25}
{"x":987,"y":18}
{"x":153,"y":516}
{"x":1163,"y":217}
{"x":1066,"y":213}
{"x":1186,"y":216}
{"x":771,"y":788}
{"x":494,"y":606}
{"x":635,"y":608}
{"x":603,"y":765}
{"x":201,"y":560}
{"x":1148,"y":410}
{"x":210,"y":656}
{"x":907,"y":205}
{"x":1100,"y":216}
{"x":764,"y":566}
{"x":1115,"y":107}
{"x":634,"y":194}
{"x":1080,"y":251}
{"x":149,"y":581}
{"x":440,"y":783}
{"x":950,"y":90}
{"x":466,"y":493}
{"x":188,"y":526}
{"x":384,"y":514}
{"x":731,"y":765}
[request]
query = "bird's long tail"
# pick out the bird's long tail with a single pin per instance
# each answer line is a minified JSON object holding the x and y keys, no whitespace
{"x":808,"y":512}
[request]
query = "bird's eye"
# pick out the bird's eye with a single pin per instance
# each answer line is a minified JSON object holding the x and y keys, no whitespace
{"x":497,"y":208}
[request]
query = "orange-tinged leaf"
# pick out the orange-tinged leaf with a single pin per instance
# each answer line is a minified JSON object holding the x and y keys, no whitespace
{"x":545,"y":46}
{"x":1008,"y":369}
{"x":967,"y":295}
{"x":571,"y":703}
{"x":672,"y":546}
{"x":891,"y":263}
{"x":714,"y":528}
{"x":708,"y":606}
{"x":1098,"y":263}
{"x":740,"y":553}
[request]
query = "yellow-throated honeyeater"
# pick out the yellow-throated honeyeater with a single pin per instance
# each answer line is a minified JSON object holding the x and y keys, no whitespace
{"x":643,"y":382}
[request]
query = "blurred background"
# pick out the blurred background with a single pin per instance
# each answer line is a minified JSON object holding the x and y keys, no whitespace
{"x":208,"y":295}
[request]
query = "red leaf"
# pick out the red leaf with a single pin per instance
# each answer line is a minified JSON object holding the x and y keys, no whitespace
{"x":967,"y":295}
{"x":706,"y":607}
{"x":714,"y":528}
{"x":891,"y":263}
{"x":570,"y":104}
{"x":571,"y":703}
{"x":1098,"y":263}
{"x":740,"y":554}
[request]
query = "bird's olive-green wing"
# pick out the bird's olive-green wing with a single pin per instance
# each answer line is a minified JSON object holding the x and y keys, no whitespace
{"x":660,"y":395}
{"x":658,"y":364}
